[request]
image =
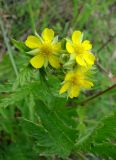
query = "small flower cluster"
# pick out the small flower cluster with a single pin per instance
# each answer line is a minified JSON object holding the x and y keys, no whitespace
{"x":46,"y":49}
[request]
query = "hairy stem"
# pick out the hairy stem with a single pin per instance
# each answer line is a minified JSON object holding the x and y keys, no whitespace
{"x":6,"y":40}
{"x":96,"y":95}
{"x":111,"y":37}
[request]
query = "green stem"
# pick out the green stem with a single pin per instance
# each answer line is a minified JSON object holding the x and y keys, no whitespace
{"x":31,"y":16}
{"x":6,"y":40}
{"x":75,"y":9}
{"x":96,"y":95}
{"x":111,"y":37}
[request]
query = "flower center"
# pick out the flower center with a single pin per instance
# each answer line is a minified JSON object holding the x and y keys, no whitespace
{"x":46,"y":49}
{"x":74,"y":81}
{"x":79,"y":49}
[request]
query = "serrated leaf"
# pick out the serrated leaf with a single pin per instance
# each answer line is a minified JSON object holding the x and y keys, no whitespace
{"x":52,"y":133}
{"x":102,"y":140}
{"x":20,"y":46}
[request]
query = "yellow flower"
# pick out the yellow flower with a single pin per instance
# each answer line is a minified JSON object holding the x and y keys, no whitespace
{"x":75,"y":81}
{"x":45,"y":49}
{"x":81,"y":51}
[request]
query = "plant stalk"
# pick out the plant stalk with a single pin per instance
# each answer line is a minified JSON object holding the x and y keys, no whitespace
{"x":6,"y":40}
{"x":31,"y":16}
{"x":96,"y":95}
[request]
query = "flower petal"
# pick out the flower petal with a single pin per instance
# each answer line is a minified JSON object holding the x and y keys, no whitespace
{"x":80,"y":60}
{"x":56,"y":47}
{"x":69,"y":47}
{"x":37,"y":61}
{"x":32,"y":42}
{"x":89,"y":58}
{"x":77,"y":37}
{"x":48,"y":35}
{"x":68,"y":76}
{"x":86,"y":84}
{"x":74,"y":92}
{"x":87,"y":45}
{"x":54,"y":61}
{"x":64,"y":88}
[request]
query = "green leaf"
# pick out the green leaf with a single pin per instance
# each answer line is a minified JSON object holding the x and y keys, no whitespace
{"x":105,"y":149}
{"x":53,"y":134}
{"x":5,"y":87}
{"x":21,"y":149}
{"x":102,"y":140}
{"x":20,"y":46}
{"x":38,"y":89}
{"x":24,"y":77}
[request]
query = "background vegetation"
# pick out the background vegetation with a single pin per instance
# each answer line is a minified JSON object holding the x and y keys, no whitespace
{"x":20,"y":136}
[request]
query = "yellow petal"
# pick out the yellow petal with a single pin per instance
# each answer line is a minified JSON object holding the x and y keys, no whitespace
{"x":87,"y":45}
{"x":64,"y":88}
{"x":37,"y":61}
{"x":69,"y":47}
{"x":32,"y":42}
{"x":48,"y":35}
{"x":69,"y":76}
{"x":83,"y":69}
{"x":86,"y":84}
{"x":77,"y":37}
{"x":80,"y":60}
{"x":89,"y":58}
{"x":54,"y":61}
{"x":74,"y":92}
{"x":56,"y":47}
